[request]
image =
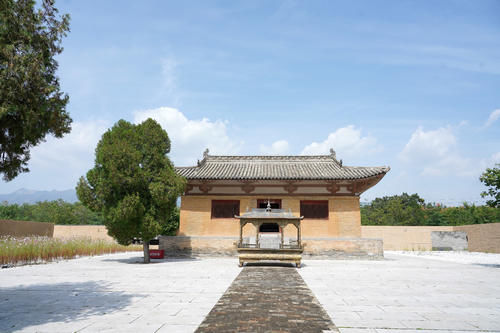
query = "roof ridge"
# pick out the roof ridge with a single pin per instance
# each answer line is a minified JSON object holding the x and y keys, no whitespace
{"x":287,"y":167}
{"x":280,"y":156}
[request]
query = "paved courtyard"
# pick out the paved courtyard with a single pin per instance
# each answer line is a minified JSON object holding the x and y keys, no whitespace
{"x":409,"y":293}
{"x":112,"y":293}
{"x":404,"y":293}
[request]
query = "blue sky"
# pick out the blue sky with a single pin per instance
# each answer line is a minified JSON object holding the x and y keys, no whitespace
{"x":410,"y":84}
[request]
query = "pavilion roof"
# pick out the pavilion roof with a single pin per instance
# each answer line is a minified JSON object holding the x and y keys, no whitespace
{"x":274,"y":214}
{"x":317,"y":167}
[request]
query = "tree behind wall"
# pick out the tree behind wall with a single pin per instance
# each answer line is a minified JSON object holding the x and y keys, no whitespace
{"x":411,"y":210}
{"x":31,"y":103}
{"x":56,"y":211}
{"x":133,"y":182}
{"x":491,"y":178}
{"x":401,"y":209}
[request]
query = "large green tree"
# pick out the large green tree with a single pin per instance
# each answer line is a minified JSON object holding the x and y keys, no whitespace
{"x":401,"y":209}
{"x":133,"y":183}
{"x":491,"y":178}
{"x":31,"y":102}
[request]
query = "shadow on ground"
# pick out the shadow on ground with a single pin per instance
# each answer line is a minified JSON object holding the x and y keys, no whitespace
{"x":489,"y":265}
{"x":140,"y":260}
{"x":267,"y":264}
{"x":26,"y":306}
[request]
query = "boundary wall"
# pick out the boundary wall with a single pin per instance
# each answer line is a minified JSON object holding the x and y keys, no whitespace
{"x":395,"y":238}
{"x":76,"y":231}
{"x":481,"y":237}
{"x":26,"y":228}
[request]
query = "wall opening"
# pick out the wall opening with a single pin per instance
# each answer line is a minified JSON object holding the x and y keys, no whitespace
{"x":275,"y":203}
{"x":269,"y":227}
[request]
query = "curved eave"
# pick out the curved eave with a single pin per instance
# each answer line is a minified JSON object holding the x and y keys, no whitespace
{"x":187,"y":172}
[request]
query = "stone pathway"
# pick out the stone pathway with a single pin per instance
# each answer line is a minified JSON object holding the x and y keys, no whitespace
{"x":267,"y":299}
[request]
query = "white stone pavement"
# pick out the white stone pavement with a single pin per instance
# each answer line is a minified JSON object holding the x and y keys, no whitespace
{"x":404,"y":293}
{"x":427,"y":292}
{"x":112,"y":293}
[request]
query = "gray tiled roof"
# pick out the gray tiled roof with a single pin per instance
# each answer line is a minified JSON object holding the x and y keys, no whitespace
{"x":321,"y":167}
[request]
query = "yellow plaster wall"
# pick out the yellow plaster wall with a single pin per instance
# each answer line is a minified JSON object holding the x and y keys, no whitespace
{"x":482,"y":237}
{"x":403,"y":237}
{"x":344,"y":217}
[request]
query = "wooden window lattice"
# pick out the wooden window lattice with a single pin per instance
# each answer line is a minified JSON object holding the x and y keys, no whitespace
{"x":317,"y":209}
{"x":225,"y":208}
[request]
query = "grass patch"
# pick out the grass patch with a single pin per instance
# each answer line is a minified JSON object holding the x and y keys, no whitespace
{"x":33,"y":250}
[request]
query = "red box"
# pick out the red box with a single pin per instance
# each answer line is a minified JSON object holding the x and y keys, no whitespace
{"x":157,"y":254}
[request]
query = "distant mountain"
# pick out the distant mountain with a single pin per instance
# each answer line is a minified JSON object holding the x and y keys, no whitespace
{"x":32,"y":196}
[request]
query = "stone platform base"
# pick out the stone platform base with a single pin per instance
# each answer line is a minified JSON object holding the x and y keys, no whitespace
{"x":314,"y":248}
{"x":250,"y":255}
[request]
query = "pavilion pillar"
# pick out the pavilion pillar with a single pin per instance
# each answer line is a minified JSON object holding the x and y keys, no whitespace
{"x":299,"y":234}
{"x":241,"y":233}
{"x":257,"y":227}
{"x":281,"y":229}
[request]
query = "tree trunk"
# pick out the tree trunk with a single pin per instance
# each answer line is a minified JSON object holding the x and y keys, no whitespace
{"x":145,"y":246}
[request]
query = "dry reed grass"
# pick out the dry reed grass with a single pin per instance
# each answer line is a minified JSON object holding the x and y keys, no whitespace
{"x":32,"y":250}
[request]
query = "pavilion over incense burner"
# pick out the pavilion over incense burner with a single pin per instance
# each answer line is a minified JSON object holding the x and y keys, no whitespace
{"x":268,"y":224}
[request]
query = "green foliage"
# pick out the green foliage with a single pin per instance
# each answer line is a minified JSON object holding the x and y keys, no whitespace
{"x":407,"y":210}
{"x":491,"y":178}
{"x":133,"y":182}
{"x":171,"y":227}
{"x":470,"y":214}
{"x":395,"y":210}
{"x":58,"y":212}
{"x":31,"y":103}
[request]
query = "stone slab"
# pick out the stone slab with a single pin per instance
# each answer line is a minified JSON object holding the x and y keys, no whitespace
{"x":449,"y":240}
{"x":267,"y":298}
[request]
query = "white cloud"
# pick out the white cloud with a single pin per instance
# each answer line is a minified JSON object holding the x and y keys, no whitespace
{"x":495,"y":158}
{"x":190,"y":137}
{"x":493,"y":117}
{"x":58,"y":163}
{"x":490,"y":162}
{"x":347,"y":142}
{"x":279,"y":147}
{"x":168,"y":66}
{"x":169,"y":88}
{"x":435,"y":153}
{"x":74,"y":151}
{"x":430,"y":145}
